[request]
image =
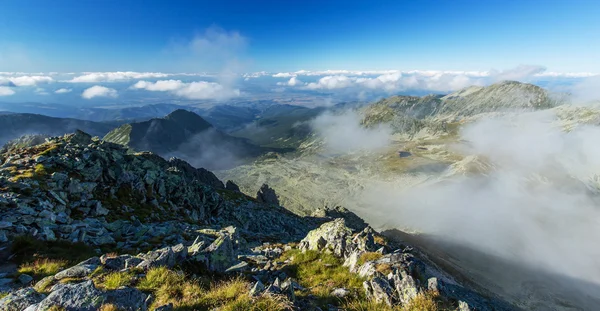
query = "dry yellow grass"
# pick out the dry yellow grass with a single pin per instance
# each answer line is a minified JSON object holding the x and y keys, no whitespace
{"x":108,"y":307}
{"x":43,"y":267}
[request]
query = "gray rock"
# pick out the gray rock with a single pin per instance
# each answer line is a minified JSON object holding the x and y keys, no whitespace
{"x":78,"y":271}
{"x":230,"y":185}
{"x":120,"y":262}
{"x":20,"y":299}
{"x":379,"y":290}
{"x":257,"y":288}
{"x":5,"y":224}
{"x":333,"y":235}
{"x":463,"y":306}
{"x":267,"y":195}
{"x":220,"y":254}
{"x":340,"y":292}
{"x":130,"y":299}
{"x":25,"y":279}
{"x":100,"y":210}
{"x":160,"y":257}
{"x":241,"y":266}
{"x":82,"y":296}
{"x":406,"y":287}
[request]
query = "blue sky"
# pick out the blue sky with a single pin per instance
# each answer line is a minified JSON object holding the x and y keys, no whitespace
{"x":108,"y":35}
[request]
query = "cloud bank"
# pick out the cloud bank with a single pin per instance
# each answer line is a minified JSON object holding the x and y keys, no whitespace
{"x":95,"y":77}
{"x":98,"y":91}
{"x":191,"y":90}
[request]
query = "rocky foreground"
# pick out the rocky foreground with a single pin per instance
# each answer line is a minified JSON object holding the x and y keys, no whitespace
{"x":85,"y":225}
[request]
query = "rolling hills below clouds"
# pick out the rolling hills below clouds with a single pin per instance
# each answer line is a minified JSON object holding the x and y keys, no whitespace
{"x":188,"y":136}
{"x":508,"y":171}
{"x":15,"y":125}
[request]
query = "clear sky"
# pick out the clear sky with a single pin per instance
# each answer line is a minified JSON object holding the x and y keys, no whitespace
{"x":111,"y":35}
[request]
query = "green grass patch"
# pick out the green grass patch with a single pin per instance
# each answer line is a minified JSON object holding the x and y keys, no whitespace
{"x":43,"y":267}
{"x":320,"y":273}
{"x":368,"y":256}
{"x":186,"y":293}
{"x":115,"y":280}
{"x":40,"y":170}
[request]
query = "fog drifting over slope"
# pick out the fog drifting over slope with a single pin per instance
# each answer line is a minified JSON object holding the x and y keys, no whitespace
{"x":342,"y":132}
{"x":535,"y":201}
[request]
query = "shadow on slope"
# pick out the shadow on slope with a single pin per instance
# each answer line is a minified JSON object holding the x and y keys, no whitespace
{"x":529,"y":287}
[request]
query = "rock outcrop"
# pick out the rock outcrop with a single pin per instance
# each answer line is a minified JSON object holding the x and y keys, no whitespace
{"x":161,"y":214}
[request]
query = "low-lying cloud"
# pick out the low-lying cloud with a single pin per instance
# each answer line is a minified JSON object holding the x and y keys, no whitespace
{"x":535,"y":202}
{"x":189,"y":90}
{"x":391,"y":81}
{"x":63,"y":91}
{"x":96,"y":77}
{"x":98,"y":91}
{"x":343,"y":132}
{"x":25,"y":80}
{"x":6,"y":91}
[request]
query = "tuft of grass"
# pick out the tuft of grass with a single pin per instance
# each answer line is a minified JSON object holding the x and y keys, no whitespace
{"x":384,"y":268}
{"x":108,"y":307}
{"x":368,"y":256}
{"x":365,"y":305}
{"x":427,"y":301}
{"x":169,"y":286}
{"x":41,"y":268}
{"x":379,"y":239}
{"x":56,"y":308}
{"x":49,"y":150}
{"x":97,"y":272}
{"x":172,"y":287}
{"x":227,"y":291}
{"x":262,"y":303}
{"x":23,"y":174}
{"x":3,"y":294}
{"x":40,"y":170}
{"x":321,"y":272}
{"x":115,"y":280}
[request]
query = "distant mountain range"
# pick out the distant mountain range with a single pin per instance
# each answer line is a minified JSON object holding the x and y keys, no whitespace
{"x":14,"y":125}
{"x":186,"y":135}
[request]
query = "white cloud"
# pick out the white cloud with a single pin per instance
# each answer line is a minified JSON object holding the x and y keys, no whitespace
{"x":94,"y":77}
{"x":191,"y":90}
{"x":63,"y":91}
{"x":332,"y":82}
{"x":25,"y":80}
{"x":423,"y":80}
{"x":98,"y":91}
{"x":294,"y":81}
{"x":587,"y":90}
{"x":345,"y":133}
{"x":41,"y":91}
{"x":6,"y":91}
{"x":518,"y":73}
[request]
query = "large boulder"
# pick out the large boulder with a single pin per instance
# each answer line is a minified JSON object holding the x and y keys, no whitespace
{"x":20,"y":299}
{"x":82,"y":296}
{"x":333,"y":236}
